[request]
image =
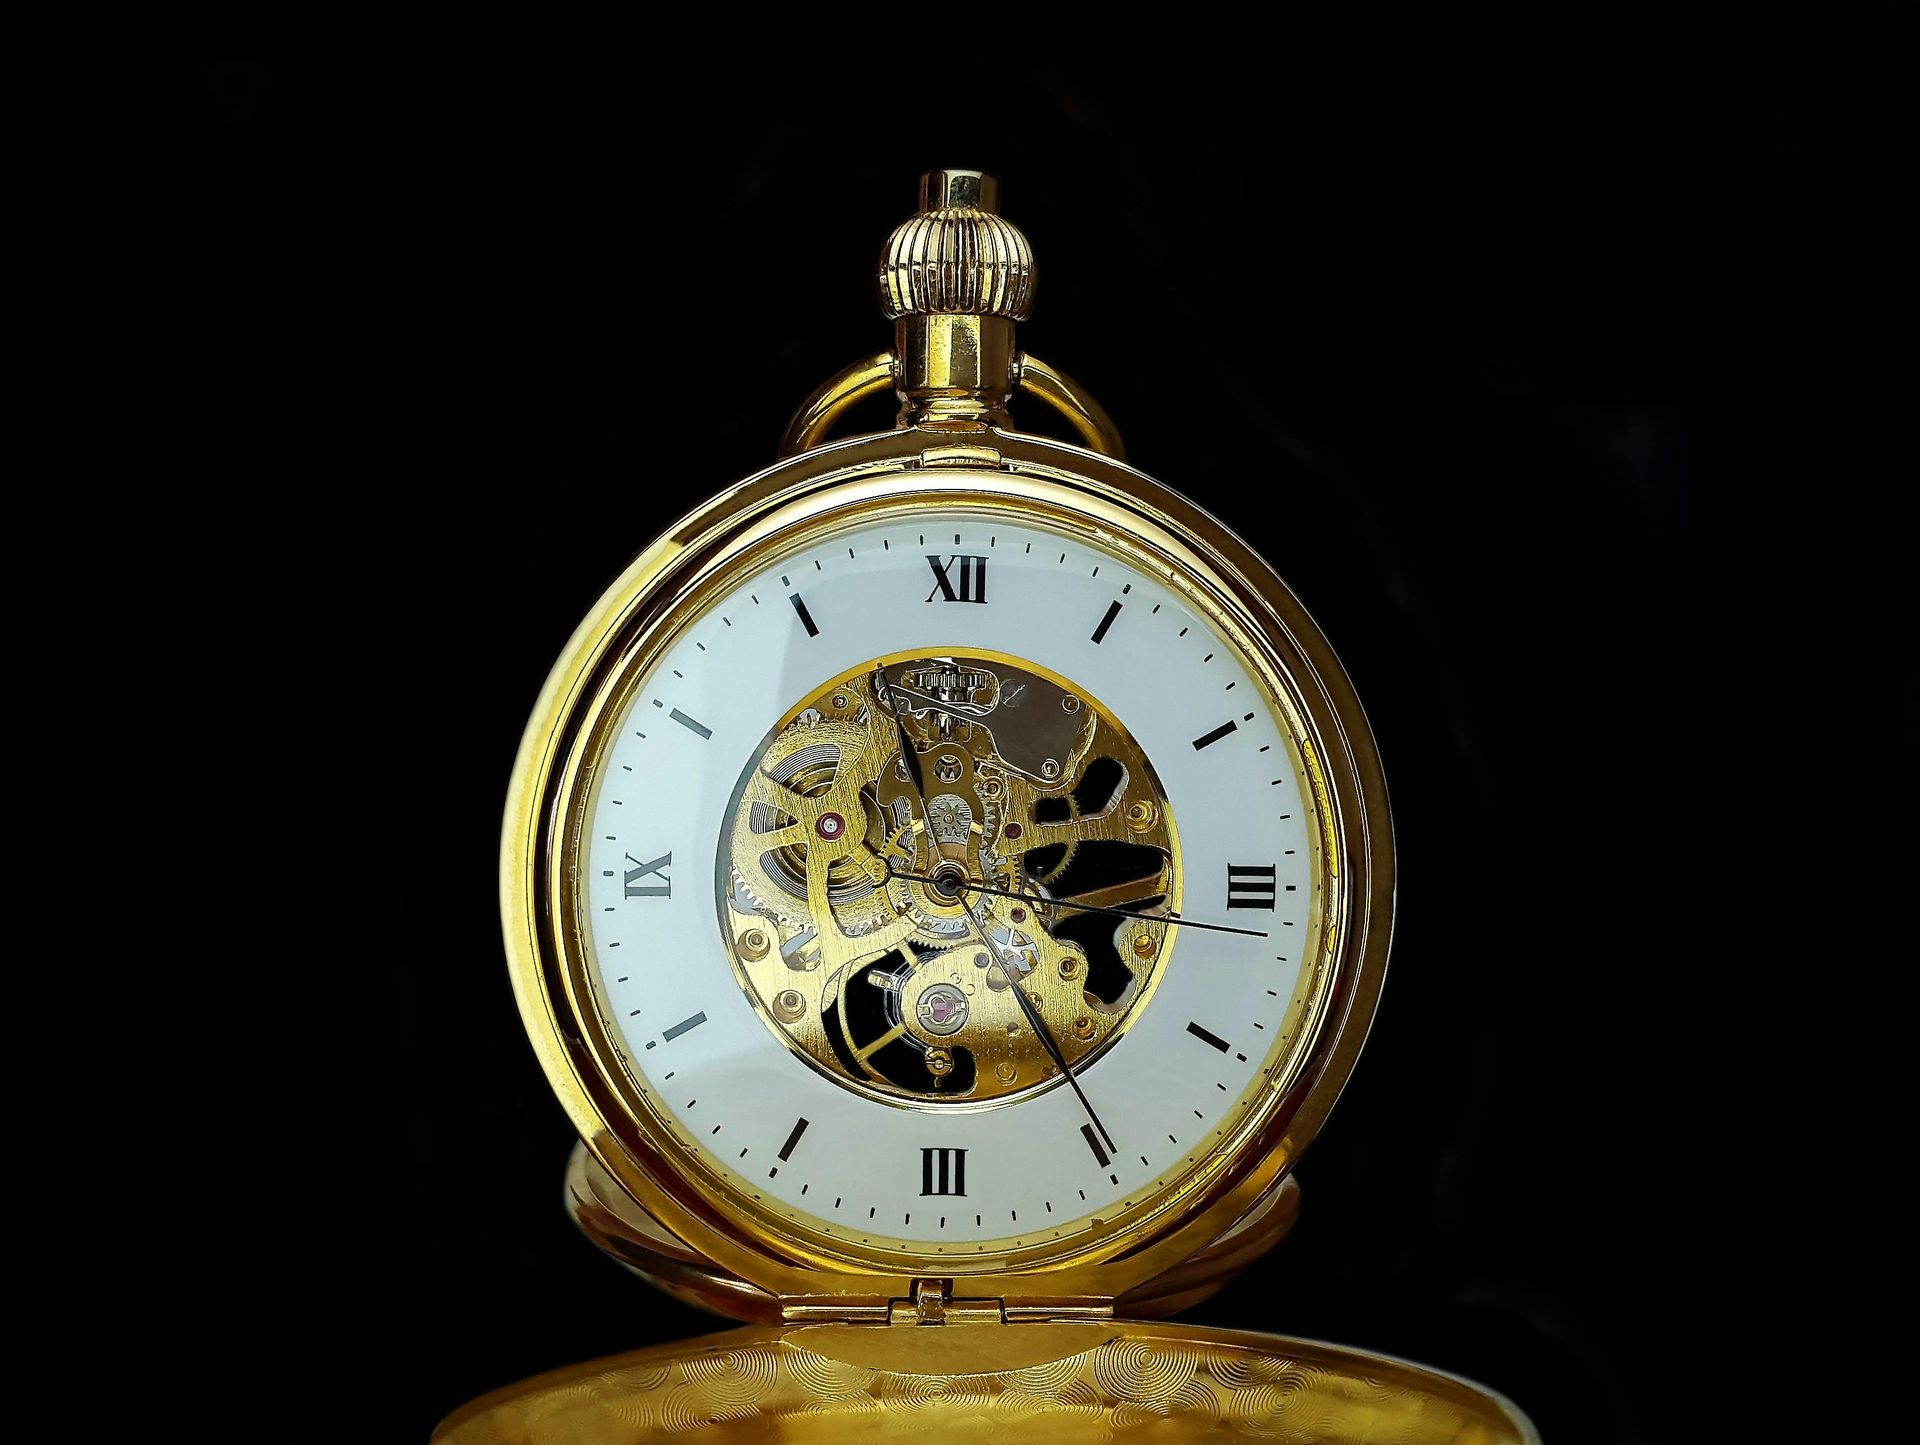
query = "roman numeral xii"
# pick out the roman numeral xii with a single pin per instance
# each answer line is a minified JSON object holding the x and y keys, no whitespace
{"x":958,"y":579}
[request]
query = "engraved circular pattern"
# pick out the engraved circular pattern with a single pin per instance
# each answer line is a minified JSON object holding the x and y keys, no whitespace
{"x":1134,"y":1370}
{"x":1147,"y":1383}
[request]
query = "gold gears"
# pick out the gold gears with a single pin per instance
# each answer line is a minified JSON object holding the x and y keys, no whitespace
{"x":855,"y":908}
{"x":770,"y":847}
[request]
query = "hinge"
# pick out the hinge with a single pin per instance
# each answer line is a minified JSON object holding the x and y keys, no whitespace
{"x":930,"y":1305}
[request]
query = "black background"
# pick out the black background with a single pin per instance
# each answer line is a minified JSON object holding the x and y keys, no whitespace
{"x":1543,"y":360}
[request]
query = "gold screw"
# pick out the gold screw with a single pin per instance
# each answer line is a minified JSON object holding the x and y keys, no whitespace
{"x":1070,"y":704}
{"x":1141,"y":815}
{"x":989,"y":787}
{"x":1145,"y":945}
{"x":840,"y":700}
{"x":939,"y":1061}
{"x":753,"y":943}
{"x":1083,"y":1027}
{"x":1069,"y":967}
{"x":788,"y":1005}
{"x":1004,"y":1072}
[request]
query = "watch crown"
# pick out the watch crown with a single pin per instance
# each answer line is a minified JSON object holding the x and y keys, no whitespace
{"x":957,"y":257}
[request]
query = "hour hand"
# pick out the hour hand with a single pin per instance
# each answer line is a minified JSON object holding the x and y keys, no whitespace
{"x":909,"y":758}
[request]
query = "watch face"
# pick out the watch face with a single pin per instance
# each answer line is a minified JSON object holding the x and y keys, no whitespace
{"x":947,"y":878}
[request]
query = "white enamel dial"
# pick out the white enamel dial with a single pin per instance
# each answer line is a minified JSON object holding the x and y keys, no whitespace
{"x":933,"y":1176}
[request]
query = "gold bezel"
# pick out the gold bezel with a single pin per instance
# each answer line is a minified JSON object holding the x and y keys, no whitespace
{"x":785,"y":504}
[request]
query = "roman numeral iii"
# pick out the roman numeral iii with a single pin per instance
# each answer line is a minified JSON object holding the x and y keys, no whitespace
{"x":656,"y":869}
{"x":943,"y":1171}
{"x":1249,"y":887}
{"x":958,"y":579}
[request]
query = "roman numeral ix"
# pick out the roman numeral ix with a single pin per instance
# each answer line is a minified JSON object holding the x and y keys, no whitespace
{"x":656,"y":869}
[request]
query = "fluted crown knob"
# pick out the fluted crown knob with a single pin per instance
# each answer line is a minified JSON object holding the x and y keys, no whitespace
{"x":957,"y":257}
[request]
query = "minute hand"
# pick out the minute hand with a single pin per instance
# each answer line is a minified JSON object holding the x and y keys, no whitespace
{"x":1035,"y":898}
{"x":1039,"y":1025}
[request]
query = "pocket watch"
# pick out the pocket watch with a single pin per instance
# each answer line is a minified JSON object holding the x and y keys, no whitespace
{"x":947,"y":880}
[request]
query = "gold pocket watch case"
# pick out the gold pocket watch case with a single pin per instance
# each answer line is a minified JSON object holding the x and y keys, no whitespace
{"x":947,"y":881}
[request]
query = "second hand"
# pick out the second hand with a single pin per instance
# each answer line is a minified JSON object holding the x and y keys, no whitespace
{"x":1082,"y":907}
